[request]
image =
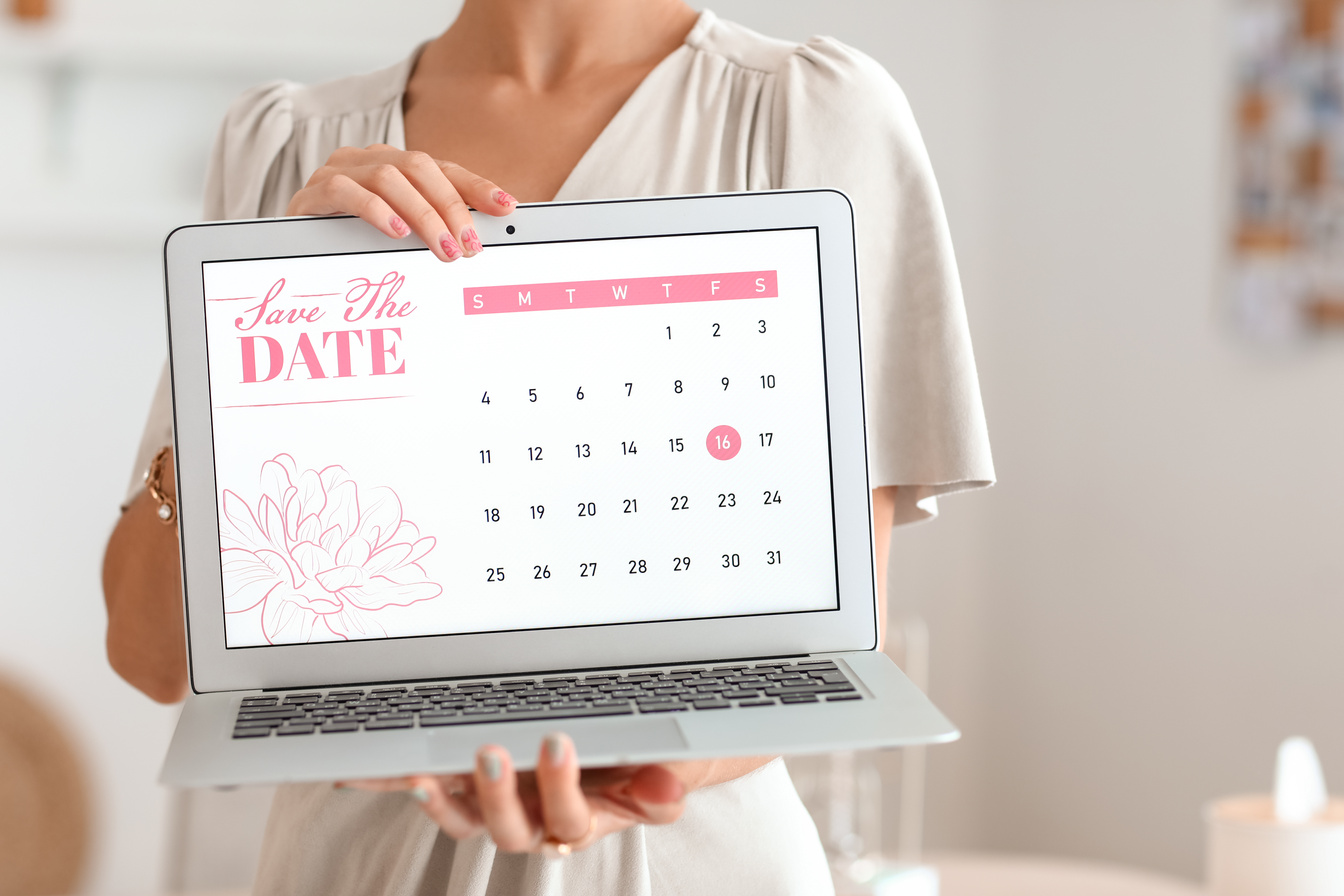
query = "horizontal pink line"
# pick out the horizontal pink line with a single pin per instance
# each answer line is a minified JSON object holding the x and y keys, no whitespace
{"x":315,"y":295}
{"x":610,"y":293}
{"x":234,"y":299}
{"x":281,"y":404}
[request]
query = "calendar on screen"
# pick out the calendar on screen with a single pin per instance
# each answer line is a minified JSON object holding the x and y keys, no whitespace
{"x":546,"y":435}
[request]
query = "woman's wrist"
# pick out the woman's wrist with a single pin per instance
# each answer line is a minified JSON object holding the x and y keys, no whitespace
{"x":160,"y":486}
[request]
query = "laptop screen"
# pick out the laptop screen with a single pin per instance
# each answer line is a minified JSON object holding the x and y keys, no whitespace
{"x":547,"y":435}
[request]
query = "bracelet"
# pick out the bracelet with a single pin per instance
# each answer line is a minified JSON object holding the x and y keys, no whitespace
{"x":154,"y":484}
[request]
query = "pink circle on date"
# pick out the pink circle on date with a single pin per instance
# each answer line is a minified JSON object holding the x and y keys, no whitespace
{"x":723,"y":442}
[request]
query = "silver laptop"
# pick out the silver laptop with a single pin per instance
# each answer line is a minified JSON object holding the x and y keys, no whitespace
{"x":608,"y":477}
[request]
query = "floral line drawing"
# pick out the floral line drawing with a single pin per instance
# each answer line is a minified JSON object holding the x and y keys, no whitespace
{"x":319,"y":556}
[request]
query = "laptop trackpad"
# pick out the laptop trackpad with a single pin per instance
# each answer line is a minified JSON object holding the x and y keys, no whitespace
{"x":613,"y":741}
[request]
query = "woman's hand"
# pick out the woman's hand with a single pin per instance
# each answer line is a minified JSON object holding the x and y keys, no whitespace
{"x":553,"y":810}
{"x":402,"y":192}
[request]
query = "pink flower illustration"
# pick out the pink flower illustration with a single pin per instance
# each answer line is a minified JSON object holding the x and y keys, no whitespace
{"x":318,"y":556}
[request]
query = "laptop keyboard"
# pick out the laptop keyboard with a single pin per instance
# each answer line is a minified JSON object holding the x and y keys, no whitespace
{"x":676,"y":689}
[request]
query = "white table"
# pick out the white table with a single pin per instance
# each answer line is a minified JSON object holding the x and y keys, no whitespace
{"x":987,"y":874}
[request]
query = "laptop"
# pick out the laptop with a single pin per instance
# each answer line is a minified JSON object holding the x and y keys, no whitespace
{"x":608,"y":477}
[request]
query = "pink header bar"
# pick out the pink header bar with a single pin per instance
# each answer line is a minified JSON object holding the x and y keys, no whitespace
{"x":633,"y":291}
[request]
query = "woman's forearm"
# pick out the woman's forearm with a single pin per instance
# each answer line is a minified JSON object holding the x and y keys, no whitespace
{"x":884,"y":518}
{"x":142,"y":586}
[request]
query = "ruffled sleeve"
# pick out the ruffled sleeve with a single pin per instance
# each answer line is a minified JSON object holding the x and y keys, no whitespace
{"x":841,"y":121}
{"x":249,"y":154}
{"x":276,"y":135}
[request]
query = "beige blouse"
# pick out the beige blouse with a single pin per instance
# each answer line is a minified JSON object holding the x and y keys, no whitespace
{"x":730,"y":110}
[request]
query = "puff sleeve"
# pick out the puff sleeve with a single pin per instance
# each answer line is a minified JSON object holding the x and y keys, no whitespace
{"x":841,"y":121}
{"x":250,"y":155}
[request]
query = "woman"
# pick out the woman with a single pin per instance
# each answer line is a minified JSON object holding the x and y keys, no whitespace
{"x":569,"y":100}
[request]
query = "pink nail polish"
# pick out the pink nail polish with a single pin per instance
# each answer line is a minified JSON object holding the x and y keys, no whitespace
{"x":472,"y":241}
{"x":450,"y":247}
{"x":504,"y":198}
{"x":398,"y":226}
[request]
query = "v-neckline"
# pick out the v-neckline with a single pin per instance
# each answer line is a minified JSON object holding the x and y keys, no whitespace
{"x":396,"y":124}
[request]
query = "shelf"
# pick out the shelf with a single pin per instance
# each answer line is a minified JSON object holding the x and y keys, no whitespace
{"x":58,"y":47}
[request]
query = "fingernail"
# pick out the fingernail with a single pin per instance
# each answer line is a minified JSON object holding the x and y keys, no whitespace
{"x":491,"y":767}
{"x":398,"y":225}
{"x":555,"y":748}
{"x":450,"y":247}
{"x":504,"y":198}
{"x":472,"y":241}
{"x":420,"y":794}
{"x":338,"y":786}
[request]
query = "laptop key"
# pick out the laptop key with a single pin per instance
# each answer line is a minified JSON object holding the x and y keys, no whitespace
{"x":798,"y":698}
{"x":757,"y":702}
{"x":540,"y":715}
{"x":580,"y":712}
{"x":387,"y":724}
{"x":712,"y":704}
{"x":273,"y":714}
{"x":829,"y":677}
{"x":810,"y":689}
{"x":852,"y":695}
{"x":286,"y":730}
{"x":251,"y":732}
{"x":339,"y":727}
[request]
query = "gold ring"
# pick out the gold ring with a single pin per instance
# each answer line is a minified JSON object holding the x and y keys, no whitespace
{"x":565,"y":847}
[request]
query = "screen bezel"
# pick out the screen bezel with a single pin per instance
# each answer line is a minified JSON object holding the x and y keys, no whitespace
{"x":853,"y":626}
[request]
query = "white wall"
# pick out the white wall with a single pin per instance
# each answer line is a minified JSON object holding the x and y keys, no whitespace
{"x":1162,"y":555}
{"x":1123,"y":627}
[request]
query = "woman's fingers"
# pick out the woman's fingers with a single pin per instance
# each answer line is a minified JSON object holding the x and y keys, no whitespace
{"x":501,"y":808}
{"x":481,"y":194}
{"x":659,"y":793}
{"x":402,"y":192}
{"x":441,"y":195}
{"x":406,"y":198}
{"x":450,"y":812}
{"x":337,"y":193}
{"x":565,"y":813}
{"x":377,"y":785}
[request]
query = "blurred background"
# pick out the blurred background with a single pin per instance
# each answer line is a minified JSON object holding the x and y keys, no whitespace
{"x":1124,"y":627}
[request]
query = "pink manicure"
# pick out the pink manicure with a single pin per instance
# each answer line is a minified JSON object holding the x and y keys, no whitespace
{"x":450,"y":247}
{"x":504,"y":198}
{"x":472,"y":241}
{"x":398,"y":226}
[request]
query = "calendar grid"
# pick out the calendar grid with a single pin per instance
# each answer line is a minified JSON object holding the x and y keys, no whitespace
{"x":643,"y":461}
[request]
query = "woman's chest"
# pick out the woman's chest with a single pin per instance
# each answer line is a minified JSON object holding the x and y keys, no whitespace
{"x":670,"y":135}
{"x":527,"y":142}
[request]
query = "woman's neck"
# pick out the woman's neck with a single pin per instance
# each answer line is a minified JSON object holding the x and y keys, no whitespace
{"x":542,"y":43}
